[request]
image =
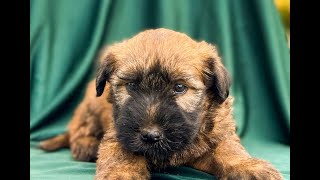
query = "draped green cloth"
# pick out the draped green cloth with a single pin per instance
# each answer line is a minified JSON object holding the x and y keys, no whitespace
{"x":66,"y":35}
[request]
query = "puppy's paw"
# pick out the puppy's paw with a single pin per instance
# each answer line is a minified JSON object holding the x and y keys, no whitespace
{"x":252,"y":169}
{"x":85,"y":149}
{"x":123,"y":174}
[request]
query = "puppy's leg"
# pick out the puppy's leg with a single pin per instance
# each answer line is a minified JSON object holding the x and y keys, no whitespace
{"x":116,"y":163}
{"x":85,"y":149}
{"x":85,"y":134}
{"x":84,"y":130}
{"x":231,"y":161}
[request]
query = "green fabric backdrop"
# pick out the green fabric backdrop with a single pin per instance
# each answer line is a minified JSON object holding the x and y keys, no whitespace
{"x":65,"y":36}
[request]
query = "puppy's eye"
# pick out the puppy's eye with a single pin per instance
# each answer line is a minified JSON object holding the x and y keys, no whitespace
{"x":180,"y":89}
{"x":131,"y":85}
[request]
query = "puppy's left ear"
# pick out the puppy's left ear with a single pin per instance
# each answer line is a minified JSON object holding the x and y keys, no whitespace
{"x":217,"y":78}
{"x":104,"y":73}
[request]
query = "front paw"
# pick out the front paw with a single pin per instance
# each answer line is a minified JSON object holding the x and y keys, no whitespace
{"x":252,"y":169}
{"x":123,"y":174}
{"x":85,"y":149}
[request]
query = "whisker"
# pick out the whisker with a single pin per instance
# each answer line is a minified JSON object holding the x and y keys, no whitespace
{"x":175,"y":142}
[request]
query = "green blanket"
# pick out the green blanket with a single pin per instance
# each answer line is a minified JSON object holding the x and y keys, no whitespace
{"x":65,"y":36}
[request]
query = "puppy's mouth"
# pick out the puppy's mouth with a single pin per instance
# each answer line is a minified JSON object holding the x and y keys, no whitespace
{"x":169,"y":134}
{"x":151,"y":145}
{"x":156,"y":146}
{"x":156,"y":150}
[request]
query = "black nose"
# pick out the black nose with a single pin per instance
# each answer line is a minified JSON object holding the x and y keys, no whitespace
{"x":151,"y":134}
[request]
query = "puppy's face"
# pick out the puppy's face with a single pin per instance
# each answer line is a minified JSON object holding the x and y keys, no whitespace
{"x":162,"y":84}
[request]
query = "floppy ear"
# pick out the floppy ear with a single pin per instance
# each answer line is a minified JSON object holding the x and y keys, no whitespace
{"x":218,"y":79}
{"x":104,"y":73}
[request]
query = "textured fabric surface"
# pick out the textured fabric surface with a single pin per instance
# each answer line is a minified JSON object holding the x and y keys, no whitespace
{"x":66,"y":35}
{"x":60,"y":165}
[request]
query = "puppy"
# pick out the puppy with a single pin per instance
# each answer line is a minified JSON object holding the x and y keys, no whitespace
{"x":160,"y":99}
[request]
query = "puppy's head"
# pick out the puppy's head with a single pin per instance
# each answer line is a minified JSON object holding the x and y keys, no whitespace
{"x":162,"y":84}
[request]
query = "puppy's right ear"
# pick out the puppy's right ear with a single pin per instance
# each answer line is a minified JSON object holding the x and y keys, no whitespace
{"x":104,"y":73}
